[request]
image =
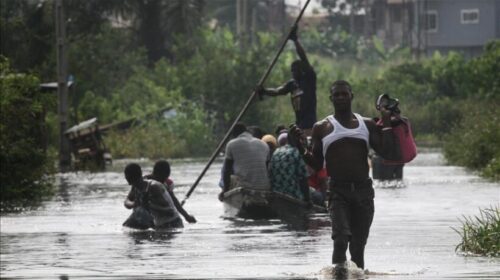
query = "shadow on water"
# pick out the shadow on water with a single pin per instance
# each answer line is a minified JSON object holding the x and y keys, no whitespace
{"x":310,"y":223}
{"x":389,"y":184}
{"x":140,"y":237}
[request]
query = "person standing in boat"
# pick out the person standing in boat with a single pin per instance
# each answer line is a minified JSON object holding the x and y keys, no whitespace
{"x":302,"y":88}
{"x":245,"y":163}
{"x":153,"y":197}
{"x":161,"y":173}
{"x":341,"y":141}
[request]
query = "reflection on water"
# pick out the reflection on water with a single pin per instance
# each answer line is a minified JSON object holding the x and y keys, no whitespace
{"x":141,"y":237}
{"x":389,"y":184}
{"x":78,"y":233}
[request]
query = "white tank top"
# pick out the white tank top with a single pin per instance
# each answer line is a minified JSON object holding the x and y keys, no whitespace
{"x":339,"y":132}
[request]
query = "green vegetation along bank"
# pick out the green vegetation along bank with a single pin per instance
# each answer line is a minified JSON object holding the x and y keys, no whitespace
{"x":481,"y":234}
{"x":25,"y":164}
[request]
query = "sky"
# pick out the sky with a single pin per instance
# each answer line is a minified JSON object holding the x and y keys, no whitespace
{"x":312,"y":5}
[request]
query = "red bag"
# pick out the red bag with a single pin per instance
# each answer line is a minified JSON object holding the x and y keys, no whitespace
{"x":402,"y":130}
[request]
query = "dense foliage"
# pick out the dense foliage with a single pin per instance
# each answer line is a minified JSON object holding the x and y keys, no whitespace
{"x":478,"y":148}
{"x":480,"y":234}
{"x":24,"y":162}
{"x":131,"y":58}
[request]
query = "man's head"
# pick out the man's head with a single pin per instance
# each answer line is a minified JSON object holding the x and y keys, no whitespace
{"x":270,"y":141}
{"x":133,"y":173}
{"x":298,"y":69}
{"x":239,"y":128}
{"x":341,"y":95}
{"x":256,"y":131}
{"x":280,"y":129}
{"x":161,"y":170}
{"x":283,"y":139}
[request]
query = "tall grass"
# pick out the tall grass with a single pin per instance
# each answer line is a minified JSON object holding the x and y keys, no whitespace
{"x":481,"y":234}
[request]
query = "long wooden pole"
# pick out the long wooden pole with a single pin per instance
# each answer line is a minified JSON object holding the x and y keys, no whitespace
{"x":245,"y":108}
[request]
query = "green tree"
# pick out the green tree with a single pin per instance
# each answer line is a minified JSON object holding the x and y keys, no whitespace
{"x":478,"y":147}
{"x":23,"y":160}
{"x":27,"y":32}
{"x":221,"y":76}
{"x":157,"y":22}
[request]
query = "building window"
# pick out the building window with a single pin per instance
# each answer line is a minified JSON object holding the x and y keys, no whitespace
{"x":431,"y":21}
{"x":469,"y":16}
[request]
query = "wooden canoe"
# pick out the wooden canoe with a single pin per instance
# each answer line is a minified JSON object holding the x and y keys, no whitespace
{"x":258,"y":204}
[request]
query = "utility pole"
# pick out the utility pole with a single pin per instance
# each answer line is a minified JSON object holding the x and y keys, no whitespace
{"x":239,"y":27}
{"x":426,"y":30}
{"x":419,"y":28}
{"x":62,"y":86}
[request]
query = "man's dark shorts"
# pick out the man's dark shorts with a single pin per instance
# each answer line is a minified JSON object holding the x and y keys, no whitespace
{"x":351,"y":208}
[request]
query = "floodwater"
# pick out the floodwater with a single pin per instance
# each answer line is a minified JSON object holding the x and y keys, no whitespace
{"x":78,"y":233}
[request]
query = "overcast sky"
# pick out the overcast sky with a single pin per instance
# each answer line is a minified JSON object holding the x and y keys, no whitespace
{"x":313,"y":4}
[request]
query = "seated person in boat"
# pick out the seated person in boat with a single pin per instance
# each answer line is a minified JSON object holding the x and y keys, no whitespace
{"x":258,"y":133}
{"x":318,"y":185}
{"x":161,"y":173}
{"x":280,"y":129}
{"x":151,"y":196}
{"x":287,"y":170}
{"x":271,"y":141}
{"x":246,"y":158}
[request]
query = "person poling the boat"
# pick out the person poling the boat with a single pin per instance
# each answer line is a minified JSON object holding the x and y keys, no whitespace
{"x":149,"y":197}
{"x":246,"y":159}
{"x":302,"y":88}
{"x":341,"y":141}
{"x":161,"y":173}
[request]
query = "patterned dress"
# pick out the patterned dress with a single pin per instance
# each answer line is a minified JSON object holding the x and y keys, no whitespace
{"x":287,"y":170}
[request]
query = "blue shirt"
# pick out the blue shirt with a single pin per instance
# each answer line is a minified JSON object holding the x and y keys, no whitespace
{"x":286,"y":170}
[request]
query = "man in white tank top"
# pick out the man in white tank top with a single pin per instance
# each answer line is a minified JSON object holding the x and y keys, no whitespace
{"x":341,"y":142}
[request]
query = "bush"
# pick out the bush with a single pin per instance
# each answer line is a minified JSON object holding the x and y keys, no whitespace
{"x":492,"y":169}
{"x":481,"y":234}
{"x":188,"y":133}
{"x":473,"y":143}
{"x":24,"y":162}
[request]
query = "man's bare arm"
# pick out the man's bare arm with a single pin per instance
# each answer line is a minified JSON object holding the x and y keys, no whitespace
{"x":298,"y":47}
{"x":228,"y":167}
{"x":314,"y":158}
{"x":302,"y":54}
{"x":129,"y":202}
{"x":282,"y":90}
{"x":181,"y":209}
